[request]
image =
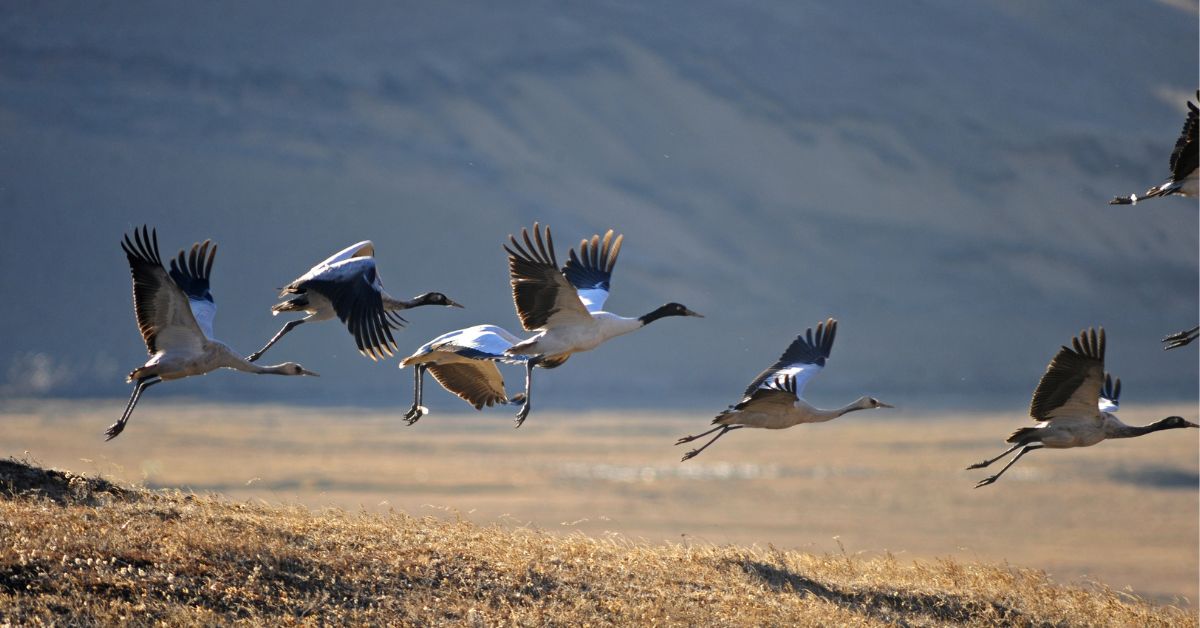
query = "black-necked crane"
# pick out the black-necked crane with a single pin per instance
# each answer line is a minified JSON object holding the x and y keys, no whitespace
{"x":564,"y":306}
{"x":1074,"y":404}
{"x":347,"y":285}
{"x":175,"y":313}
{"x":1184,"y":159}
{"x":464,"y":363}
{"x":774,"y":400}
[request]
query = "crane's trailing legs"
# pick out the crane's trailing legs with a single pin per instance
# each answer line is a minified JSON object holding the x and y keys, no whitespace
{"x":1181,"y":339}
{"x":989,"y":480}
{"x":525,"y":405}
{"x":417,"y":410}
{"x":288,"y":326}
{"x":696,"y":452}
{"x":142,"y":384}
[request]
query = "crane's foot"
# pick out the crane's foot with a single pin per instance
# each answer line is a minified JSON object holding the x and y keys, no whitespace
{"x":1181,"y":339}
{"x":415,"y":413}
{"x":986,"y":481}
{"x":253,"y":357}
{"x":686,"y":439}
{"x":979,"y":465}
{"x":114,"y":430}
{"x":522,"y":415}
{"x":689,"y":455}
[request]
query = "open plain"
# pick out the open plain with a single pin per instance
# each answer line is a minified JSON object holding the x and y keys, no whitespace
{"x":1123,"y":514}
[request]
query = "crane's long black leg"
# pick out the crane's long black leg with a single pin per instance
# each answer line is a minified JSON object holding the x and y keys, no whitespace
{"x":725,"y":430}
{"x":288,"y":326}
{"x":417,"y":410}
{"x":1181,"y":339}
{"x":989,"y":480}
{"x":142,"y":384}
{"x":980,"y":465}
{"x":525,"y":407}
{"x":688,"y":439}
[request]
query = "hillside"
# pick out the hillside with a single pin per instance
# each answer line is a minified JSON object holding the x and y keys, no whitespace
{"x":935,"y":176}
{"x":85,"y":550}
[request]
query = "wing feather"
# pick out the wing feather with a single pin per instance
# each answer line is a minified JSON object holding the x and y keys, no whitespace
{"x":1073,"y":380}
{"x":541,"y":293}
{"x":1186,"y":155}
{"x":591,"y":271}
{"x":352,"y":287}
{"x":479,"y":382}
{"x":1110,"y":395}
{"x":803,"y":359}
{"x":191,"y":274}
{"x":164,"y":316}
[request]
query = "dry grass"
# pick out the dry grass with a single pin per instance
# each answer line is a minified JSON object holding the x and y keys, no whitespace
{"x":85,"y":551}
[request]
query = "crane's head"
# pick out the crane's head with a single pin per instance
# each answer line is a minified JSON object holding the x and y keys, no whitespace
{"x":1173,"y":422}
{"x":291,"y":368}
{"x":670,"y":309}
{"x":436,"y":298}
{"x":870,"y":403}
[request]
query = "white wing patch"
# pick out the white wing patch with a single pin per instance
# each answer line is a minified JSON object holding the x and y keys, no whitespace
{"x":360,"y":249}
{"x":802,"y":373}
{"x":204,"y":311}
{"x":593,"y":298}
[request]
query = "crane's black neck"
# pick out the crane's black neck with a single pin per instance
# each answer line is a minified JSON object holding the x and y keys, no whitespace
{"x":662,"y":312}
{"x":1130,"y":431}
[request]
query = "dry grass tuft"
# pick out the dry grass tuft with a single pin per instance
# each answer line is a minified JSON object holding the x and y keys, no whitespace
{"x":109,"y":554}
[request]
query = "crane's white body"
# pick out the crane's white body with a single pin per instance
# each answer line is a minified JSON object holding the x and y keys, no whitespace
{"x":575,"y":334}
{"x":464,"y":363}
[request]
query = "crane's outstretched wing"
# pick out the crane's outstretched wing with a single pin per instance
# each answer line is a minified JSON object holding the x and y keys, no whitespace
{"x":1186,"y":155}
{"x":163,"y":313}
{"x":1072,"y":382}
{"x":191,"y":274}
{"x":803,"y":359}
{"x":360,"y":249}
{"x":591,"y":271}
{"x":1110,"y":395}
{"x":479,"y":383}
{"x":352,"y":287}
{"x":541,"y":293}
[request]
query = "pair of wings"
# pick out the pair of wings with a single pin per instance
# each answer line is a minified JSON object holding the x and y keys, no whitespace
{"x":546,"y":296}
{"x":350,"y":281}
{"x":1075,"y":384}
{"x":479,"y":381}
{"x":175,"y":309}
{"x":783,"y":382}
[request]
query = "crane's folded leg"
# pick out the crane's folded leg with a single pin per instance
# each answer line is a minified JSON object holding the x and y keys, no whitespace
{"x":1181,"y":339}
{"x":142,"y":384}
{"x":525,"y":407}
{"x":288,"y":326}
{"x":417,"y":410}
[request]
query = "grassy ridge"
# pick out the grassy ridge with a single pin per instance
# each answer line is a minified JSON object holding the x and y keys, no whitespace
{"x":88,"y":551}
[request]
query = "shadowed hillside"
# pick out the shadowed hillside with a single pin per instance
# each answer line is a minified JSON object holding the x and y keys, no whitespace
{"x":82,"y":550}
{"x":933,"y":176}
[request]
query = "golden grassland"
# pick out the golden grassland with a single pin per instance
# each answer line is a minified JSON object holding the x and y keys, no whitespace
{"x":83,"y":551}
{"x":1124,"y":513}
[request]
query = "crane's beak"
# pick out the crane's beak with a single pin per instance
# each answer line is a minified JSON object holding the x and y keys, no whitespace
{"x":452,"y":303}
{"x":308,"y":372}
{"x":1190,"y":424}
{"x":687,"y":312}
{"x":885,"y":405}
